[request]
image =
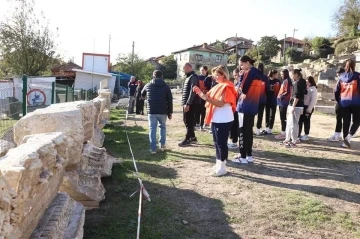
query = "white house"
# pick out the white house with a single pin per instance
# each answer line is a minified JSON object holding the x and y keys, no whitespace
{"x":95,"y":68}
{"x":242,"y":43}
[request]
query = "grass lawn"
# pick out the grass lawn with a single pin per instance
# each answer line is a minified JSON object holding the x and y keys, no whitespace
{"x":309,"y":192}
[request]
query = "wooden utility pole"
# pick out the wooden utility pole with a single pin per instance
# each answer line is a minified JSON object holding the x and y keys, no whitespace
{"x":109,"y":43}
{"x":236,"y":50}
{"x":284,"y":49}
{"x":132,"y":58}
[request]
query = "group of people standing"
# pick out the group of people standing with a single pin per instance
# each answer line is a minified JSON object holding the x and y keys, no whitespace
{"x":135,"y":99}
{"x":229,"y":106}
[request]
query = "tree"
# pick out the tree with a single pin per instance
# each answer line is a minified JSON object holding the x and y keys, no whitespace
{"x":293,"y":54}
{"x":317,"y":42}
{"x":269,"y":46}
{"x":233,"y":57}
{"x":140,"y":69}
{"x":346,"y":19}
{"x":169,"y":67}
{"x":219,"y":45}
{"x":27,"y":46}
{"x":254,"y":53}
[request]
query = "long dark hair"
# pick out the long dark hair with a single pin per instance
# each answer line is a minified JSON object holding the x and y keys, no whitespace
{"x":286,"y":73}
{"x":272,"y":72}
{"x":311,"y":80}
{"x":247,"y":59}
{"x":298,"y":72}
{"x":350,"y":65}
{"x":260,"y":67}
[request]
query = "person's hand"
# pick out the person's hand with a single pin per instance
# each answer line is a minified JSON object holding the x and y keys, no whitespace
{"x":169,"y":117}
{"x":242,"y":97}
{"x":241,"y":72}
{"x":279,"y":97}
{"x":197,"y":90}
{"x":186,"y":108}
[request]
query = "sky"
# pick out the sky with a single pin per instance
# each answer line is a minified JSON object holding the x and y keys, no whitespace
{"x":159,"y":27}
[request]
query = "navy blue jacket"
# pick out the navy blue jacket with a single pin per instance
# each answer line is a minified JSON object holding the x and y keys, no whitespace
{"x":132,"y":88}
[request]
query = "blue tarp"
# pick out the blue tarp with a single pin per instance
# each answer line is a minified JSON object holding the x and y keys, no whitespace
{"x":122,"y":79}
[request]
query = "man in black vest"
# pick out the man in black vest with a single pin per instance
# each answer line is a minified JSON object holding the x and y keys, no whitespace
{"x":190,"y":102}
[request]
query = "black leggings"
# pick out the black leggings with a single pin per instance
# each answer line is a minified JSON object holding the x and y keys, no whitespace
{"x":339,"y":119}
{"x":283,"y":112}
{"x":260,"y":115}
{"x":305,"y":120}
{"x":200,"y":114}
{"x":346,"y":113}
{"x":234,"y":131}
{"x":220,"y":132}
{"x":270,"y":113}
{"x":246,"y":136}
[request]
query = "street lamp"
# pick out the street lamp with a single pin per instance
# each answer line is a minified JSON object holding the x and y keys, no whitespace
{"x":292,"y":41}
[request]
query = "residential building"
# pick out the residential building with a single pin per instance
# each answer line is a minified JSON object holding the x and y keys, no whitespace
{"x":243,"y":45}
{"x":155,"y":61}
{"x":66,"y":70}
{"x":198,"y":56}
{"x":298,"y":45}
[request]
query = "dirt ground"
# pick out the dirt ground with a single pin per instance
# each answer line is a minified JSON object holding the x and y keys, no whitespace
{"x":311,"y":191}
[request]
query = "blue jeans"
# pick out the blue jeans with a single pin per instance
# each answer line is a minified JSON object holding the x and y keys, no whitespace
{"x":220,"y":136}
{"x":154,"y":120}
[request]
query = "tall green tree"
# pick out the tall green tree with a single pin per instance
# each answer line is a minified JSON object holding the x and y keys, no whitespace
{"x":219,"y":45}
{"x":27,"y":46}
{"x":137,"y":67}
{"x":269,"y":46}
{"x":347,"y":18}
{"x":169,"y":67}
{"x":316,"y":42}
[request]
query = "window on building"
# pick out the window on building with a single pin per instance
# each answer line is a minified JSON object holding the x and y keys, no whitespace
{"x":218,"y":58}
{"x":186,"y":57}
{"x":180,"y":57}
{"x":198,"y":57}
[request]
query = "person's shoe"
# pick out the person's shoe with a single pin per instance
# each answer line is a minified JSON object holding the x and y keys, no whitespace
{"x":193,"y":140}
{"x":237,"y":156}
{"x":250,"y":159}
{"x":240,"y":161}
{"x":257,"y":132}
{"x":269,"y":131}
{"x":343,"y":145}
{"x":334,"y":138}
{"x":202,"y":128}
{"x":184,"y":143}
{"x":347,"y":141}
{"x":232,"y":146}
{"x":280,"y":136}
{"x":290,"y":145}
{"x":264,"y":132}
{"x":152,"y":151}
{"x":220,"y":168}
{"x":304,"y":137}
{"x":162,"y":147}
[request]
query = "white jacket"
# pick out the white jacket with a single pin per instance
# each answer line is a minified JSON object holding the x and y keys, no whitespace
{"x":310,"y":98}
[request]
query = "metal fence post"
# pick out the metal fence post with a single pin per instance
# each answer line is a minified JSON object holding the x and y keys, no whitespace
{"x":53,"y":93}
{"x":24,"y":91}
{"x":66,"y":93}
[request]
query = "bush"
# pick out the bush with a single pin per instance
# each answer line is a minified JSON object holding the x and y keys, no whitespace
{"x":348,"y":46}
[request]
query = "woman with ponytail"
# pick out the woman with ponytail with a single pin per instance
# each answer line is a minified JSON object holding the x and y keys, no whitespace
{"x":271,"y":100}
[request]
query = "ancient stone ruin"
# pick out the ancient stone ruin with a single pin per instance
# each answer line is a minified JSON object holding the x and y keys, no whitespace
{"x":54,"y":171}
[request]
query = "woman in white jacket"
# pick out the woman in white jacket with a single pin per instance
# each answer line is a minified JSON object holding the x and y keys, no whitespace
{"x":309,"y":104}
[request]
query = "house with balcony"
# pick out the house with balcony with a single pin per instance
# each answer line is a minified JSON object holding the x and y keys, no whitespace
{"x":198,"y":56}
{"x":242,"y":43}
{"x":298,"y":45}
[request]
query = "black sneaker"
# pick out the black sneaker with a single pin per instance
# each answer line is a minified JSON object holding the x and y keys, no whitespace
{"x":184,"y":143}
{"x":193,"y":140}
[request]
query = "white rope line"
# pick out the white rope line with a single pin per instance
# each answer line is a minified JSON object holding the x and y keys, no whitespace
{"x":143,"y":193}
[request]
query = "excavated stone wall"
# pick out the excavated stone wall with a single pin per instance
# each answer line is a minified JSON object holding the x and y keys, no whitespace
{"x":55,"y":171}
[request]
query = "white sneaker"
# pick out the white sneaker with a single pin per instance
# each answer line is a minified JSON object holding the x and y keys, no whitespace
{"x":304,"y":138}
{"x":220,"y":169}
{"x":240,"y":161}
{"x":269,"y":131}
{"x":257,"y":132}
{"x":347,"y":141}
{"x":232,"y":146}
{"x":237,"y":156}
{"x":250,"y":159}
{"x":334,"y":138}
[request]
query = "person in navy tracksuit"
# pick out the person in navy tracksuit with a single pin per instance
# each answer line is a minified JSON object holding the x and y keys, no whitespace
{"x":347,"y":94}
{"x":262,"y":101}
{"x":247,"y":107}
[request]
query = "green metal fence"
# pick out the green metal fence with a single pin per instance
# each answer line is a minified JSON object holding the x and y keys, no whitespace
{"x":21,"y":96}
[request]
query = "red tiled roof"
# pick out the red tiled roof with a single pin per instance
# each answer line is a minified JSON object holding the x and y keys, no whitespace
{"x":204,"y":47}
{"x":296,"y":41}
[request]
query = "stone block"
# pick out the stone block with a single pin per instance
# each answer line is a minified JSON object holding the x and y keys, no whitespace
{"x":5,"y":146}
{"x":34,"y":170}
{"x":9,"y":212}
{"x":68,"y":120}
{"x":98,"y":137}
{"x":63,"y":219}
{"x":96,"y":158}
